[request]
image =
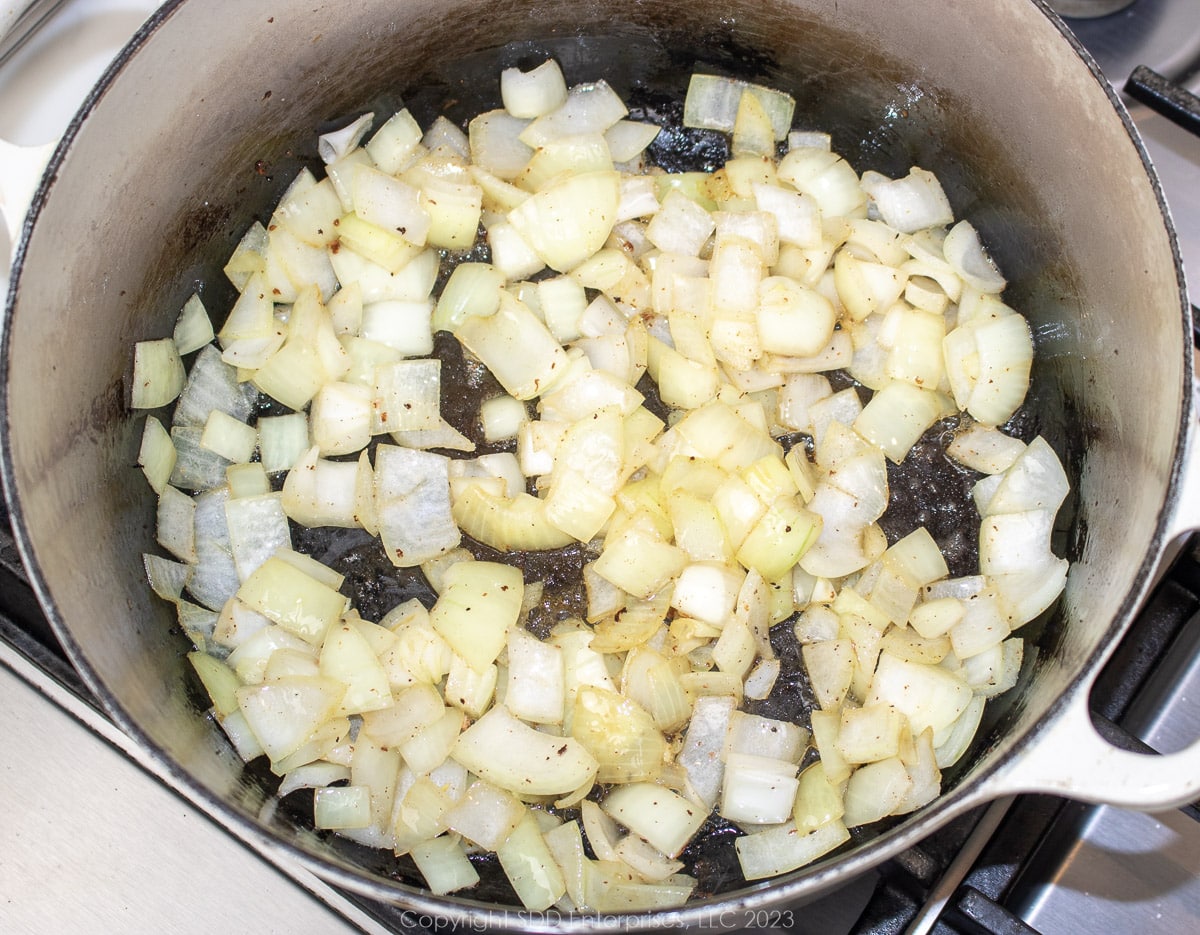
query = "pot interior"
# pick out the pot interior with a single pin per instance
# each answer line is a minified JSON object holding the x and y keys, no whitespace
{"x":203,"y":126}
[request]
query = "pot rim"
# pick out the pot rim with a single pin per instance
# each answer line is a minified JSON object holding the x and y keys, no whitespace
{"x":971,"y":791}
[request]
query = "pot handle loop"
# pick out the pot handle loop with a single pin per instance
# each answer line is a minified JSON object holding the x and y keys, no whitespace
{"x":1070,"y":758}
{"x":21,"y":169}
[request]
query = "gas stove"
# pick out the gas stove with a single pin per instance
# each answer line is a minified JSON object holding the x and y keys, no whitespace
{"x":95,"y":839}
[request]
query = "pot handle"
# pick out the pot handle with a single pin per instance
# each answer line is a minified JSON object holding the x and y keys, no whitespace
{"x":1070,"y":758}
{"x":21,"y":169}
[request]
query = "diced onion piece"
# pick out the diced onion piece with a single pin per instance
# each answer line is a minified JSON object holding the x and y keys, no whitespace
{"x":501,"y":418}
{"x":393,"y":143}
{"x":496,"y":146}
{"x":282,"y":440}
{"x":472,"y":289}
{"x":984,"y":449}
{"x":156,"y":454}
{"x":663,"y":818}
{"x":793,"y":320}
{"x":914,"y":202}
{"x":389,"y":203}
{"x":536,"y":681}
{"x":757,"y":790}
{"x":1034,"y":480}
{"x":619,"y":734}
{"x":310,"y":212}
{"x":175,"y":527}
{"x":485,"y":815}
{"x":247,"y":258}
{"x":864,"y":286}
{"x":530,"y":867}
{"x":454,"y":211}
{"x":780,"y":538}
{"x":219,"y":679}
{"x":444,"y":865}
{"x":897,"y":416}
{"x":347,"y":657}
{"x":212,"y":384}
{"x":1025,"y":595}
{"x":506,"y":523}
{"x":283,"y":714}
{"x":818,"y":801}
{"x":165,"y":577}
{"x":929,"y":696}
{"x":869,"y":733}
{"x":588,"y":108}
{"x":228,"y":437}
{"x":570,"y":219}
{"x":753,"y":132}
{"x":875,"y":790}
{"x":334,"y":145}
{"x":1005,"y":349}
{"x":703,"y":749}
{"x":828,"y":178}
{"x":956,"y":739}
{"x":319,"y":492}
{"x":258,"y":528}
{"x":1010,"y":543}
{"x":627,"y":139}
{"x":407,"y":396}
{"x":783,"y":848}
{"x":649,"y":863}
{"x":533,"y":93}
{"x":966,"y":255}
{"x":680,"y":226}
{"x":445,"y":138}
{"x":571,"y":155}
{"x":830,"y":667}
{"x":158,"y":373}
{"x":707,"y":591}
{"x":341,"y":418}
{"x":712,"y":104}
{"x":412,"y":504}
{"x":193,"y":328}
{"x":313,"y":776}
{"x":293,"y":599}
{"x":342,"y":807}
{"x":479,"y":602}
{"x":512,"y":755}
{"x":638,"y":560}
{"x":516,"y":347}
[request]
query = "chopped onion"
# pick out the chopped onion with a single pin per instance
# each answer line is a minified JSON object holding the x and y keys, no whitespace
{"x":500,"y":748}
{"x":158,"y":374}
{"x":712,"y":103}
{"x":965,"y":253}
{"x":704,"y":529}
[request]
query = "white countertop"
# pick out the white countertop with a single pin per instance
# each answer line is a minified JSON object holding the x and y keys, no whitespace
{"x":91,"y":842}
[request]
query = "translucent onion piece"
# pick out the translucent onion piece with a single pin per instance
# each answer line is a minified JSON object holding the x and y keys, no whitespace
{"x":512,"y":755}
{"x":336,"y":144}
{"x":569,"y":220}
{"x":412,"y":503}
{"x":535,"y":92}
{"x":712,"y":104}
{"x":912,"y":203}
{"x":964,"y":252}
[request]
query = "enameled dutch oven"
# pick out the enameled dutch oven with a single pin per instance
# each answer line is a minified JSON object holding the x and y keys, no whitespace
{"x":200,"y":124}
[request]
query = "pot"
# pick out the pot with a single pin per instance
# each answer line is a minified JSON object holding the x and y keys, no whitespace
{"x":202,"y":121}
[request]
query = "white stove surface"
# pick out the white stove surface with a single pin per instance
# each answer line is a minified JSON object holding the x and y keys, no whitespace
{"x":90,"y":838}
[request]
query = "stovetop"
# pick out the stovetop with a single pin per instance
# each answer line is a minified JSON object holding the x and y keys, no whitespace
{"x":95,"y":840}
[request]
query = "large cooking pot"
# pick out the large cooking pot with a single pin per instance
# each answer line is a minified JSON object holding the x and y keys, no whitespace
{"x":204,"y":119}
